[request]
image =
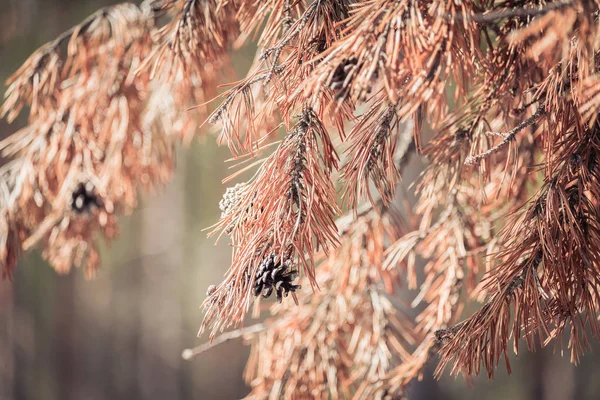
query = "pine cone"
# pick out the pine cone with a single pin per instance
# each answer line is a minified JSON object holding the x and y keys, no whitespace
{"x":211,"y":289}
{"x":84,"y":198}
{"x":230,"y":198}
{"x":274,"y":275}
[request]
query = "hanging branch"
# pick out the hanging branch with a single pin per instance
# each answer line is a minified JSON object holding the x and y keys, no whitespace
{"x":67,"y":180}
{"x":373,"y":145}
{"x":284,"y":214}
{"x":546,"y":287}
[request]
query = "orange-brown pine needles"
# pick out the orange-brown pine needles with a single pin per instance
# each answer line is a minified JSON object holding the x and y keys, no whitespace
{"x":287,"y":209}
{"x":507,"y":205}
{"x":100,"y":128}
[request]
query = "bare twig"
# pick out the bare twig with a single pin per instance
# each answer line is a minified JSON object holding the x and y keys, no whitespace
{"x":508,"y":137}
{"x":494,"y":16}
{"x":188,"y":354}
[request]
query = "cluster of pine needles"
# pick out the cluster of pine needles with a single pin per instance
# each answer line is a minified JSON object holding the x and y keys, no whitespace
{"x":341,"y":94}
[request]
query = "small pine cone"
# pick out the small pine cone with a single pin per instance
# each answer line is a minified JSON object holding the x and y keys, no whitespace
{"x":230,"y":198}
{"x":84,"y":198}
{"x":211,"y":289}
{"x":336,"y":83}
{"x":273,"y":275}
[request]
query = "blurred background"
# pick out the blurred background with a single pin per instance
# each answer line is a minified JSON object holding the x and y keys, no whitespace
{"x":120,"y":336}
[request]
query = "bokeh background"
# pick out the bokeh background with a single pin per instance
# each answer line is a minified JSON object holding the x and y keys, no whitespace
{"x":120,"y":336}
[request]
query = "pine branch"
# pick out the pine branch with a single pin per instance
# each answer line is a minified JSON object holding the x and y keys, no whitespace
{"x":508,"y":137}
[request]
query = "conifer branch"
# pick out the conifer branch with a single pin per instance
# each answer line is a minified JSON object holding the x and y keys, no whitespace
{"x":508,"y":137}
{"x":106,"y":105}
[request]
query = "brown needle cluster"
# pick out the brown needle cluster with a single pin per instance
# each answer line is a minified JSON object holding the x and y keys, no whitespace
{"x":341,"y":341}
{"x":100,"y":127}
{"x":287,"y":209}
{"x":506,"y":209}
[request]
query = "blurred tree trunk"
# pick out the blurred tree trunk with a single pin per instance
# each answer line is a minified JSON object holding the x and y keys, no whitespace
{"x":161,"y":247}
{"x":7,"y":342}
{"x":124,"y":322}
{"x":65,"y":332}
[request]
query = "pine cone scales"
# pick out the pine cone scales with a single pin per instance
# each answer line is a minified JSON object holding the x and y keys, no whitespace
{"x":84,"y":198}
{"x":272,"y":275}
{"x":230,"y":198}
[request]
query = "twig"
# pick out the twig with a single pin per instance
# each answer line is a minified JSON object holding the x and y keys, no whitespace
{"x":188,"y":354}
{"x":278,"y":49}
{"x":443,"y":335}
{"x":493,"y":16}
{"x":508,"y":137}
